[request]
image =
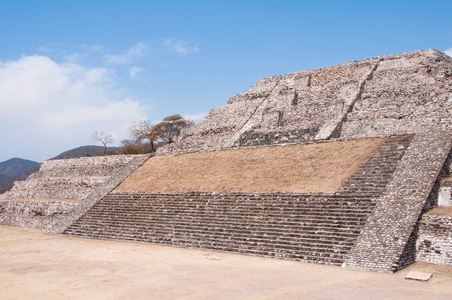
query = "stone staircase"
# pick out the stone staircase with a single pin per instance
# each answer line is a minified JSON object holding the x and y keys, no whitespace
{"x":313,"y":228}
{"x":316,"y":228}
{"x":375,"y":174}
{"x":58,"y":187}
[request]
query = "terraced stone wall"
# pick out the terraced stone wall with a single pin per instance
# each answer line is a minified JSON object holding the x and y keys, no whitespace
{"x":434,"y":239}
{"x":381,"y":96}
{"x":59,"y":186}
{"x":33,"y":213}
{"x":133,"y":162}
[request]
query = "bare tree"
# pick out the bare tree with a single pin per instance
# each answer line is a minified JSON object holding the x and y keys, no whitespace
{"x":140,"y":130}
{"x":102,"y":137}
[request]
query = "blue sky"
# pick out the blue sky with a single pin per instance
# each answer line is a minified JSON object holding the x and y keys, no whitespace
{"x":69,"y":68}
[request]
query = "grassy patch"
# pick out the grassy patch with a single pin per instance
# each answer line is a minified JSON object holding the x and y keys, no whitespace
{"x":321,"y":167}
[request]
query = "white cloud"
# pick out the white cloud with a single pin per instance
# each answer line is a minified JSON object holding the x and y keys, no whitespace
{"x":47,"y":108}
{"x":195,"y":117}
{"x":181,"y":47}
{"x":134,"y":53}
{"x":449,"y":52}
{"x":133,"y":72}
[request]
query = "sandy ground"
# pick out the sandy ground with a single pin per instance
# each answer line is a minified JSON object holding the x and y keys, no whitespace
{"x":34,"y":265}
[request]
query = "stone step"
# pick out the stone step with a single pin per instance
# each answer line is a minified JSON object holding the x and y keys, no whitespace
{"x":205,"y":237}
{"x":346,"y":199}
{"x":69,"y":193}
{"x":233,"y":205}
{"x":323,"y":258}
{"x":41,"y":222}
{"x":201,"y":224}
{"x":289,"y":213}
{"x":36,"y":208}
{"x":294,"y":218}
{"x":275,"y":227}
{"x":261,"y":248}
{"x":321,"y":240}
{"x":60,"y":183}
{"x":288,"y":216}
{"x":96,"y":161}
{"x":77,"y":172}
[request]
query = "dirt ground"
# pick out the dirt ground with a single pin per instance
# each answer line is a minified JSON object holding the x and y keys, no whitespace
{"x":320,"y":167}
{"x":35,"y":265}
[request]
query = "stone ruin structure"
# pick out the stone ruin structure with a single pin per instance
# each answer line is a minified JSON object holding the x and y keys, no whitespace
{"x":61,"y":186}
{"x":383,"y":218}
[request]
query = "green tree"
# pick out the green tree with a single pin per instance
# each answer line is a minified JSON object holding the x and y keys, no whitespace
{"x":165,"y":131}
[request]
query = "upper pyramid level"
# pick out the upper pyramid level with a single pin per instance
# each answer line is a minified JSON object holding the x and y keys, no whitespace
{"x":380,"y":96}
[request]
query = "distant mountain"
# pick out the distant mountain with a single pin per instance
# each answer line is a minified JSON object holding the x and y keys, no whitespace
{"x":15,"y":169}
{"x":5,"y":177}
{"x":16,"y":166}
{"x":85,"y":151}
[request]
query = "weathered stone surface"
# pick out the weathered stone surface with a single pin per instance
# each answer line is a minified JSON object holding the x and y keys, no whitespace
{"x":71,"y":216}
{"x":407,"y":97}
{"x":94,"y":161}
{"x":35,"y":207}
{"x":434,"y":241}
{"x":445,"y":194}
{"x":318,"y":228}
{"x":58,"y":187}
{"x":381,"y":96}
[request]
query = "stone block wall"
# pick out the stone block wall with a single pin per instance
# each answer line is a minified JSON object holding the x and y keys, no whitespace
{"x":434,"y":241}
{"x":271,"y":138}
{"x":445,"y":194}
{"x":33,"y":213}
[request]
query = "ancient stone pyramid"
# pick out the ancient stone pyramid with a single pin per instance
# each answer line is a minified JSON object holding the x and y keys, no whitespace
{"x":371,"y":221}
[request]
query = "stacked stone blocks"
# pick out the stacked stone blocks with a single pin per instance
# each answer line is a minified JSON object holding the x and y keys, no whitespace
{"x":58,"y":187}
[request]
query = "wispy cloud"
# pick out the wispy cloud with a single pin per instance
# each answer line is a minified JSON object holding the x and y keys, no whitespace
{"x":449,"y":52}
{"x":180,"y":46}
{"x":195,"y":117}
{"x":133,"y":72}
{"x":63,"y":48}
{"x":133,"y":54}
{"x":74,"y":57}
{"x":45,"y":49}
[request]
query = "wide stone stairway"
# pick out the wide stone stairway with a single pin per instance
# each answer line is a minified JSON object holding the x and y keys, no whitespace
{"x":318,"y":228}
{"x":312,"y":228}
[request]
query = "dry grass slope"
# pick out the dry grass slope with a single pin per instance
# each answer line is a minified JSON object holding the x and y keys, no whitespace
{"x":321,"y":167}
